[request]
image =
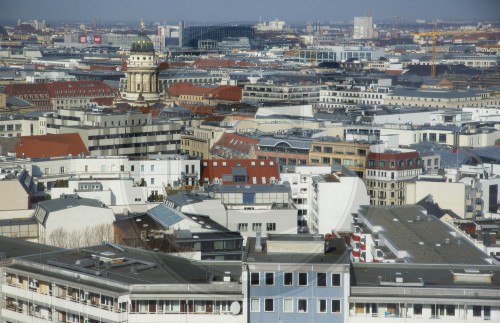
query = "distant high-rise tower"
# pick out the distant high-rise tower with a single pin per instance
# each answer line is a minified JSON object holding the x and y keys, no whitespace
{"x":363,"y":28}
{"x":142,"y":72}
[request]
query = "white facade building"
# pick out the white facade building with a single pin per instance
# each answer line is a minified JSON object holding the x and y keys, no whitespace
{"x":325,"y":199}
{"x":363,"y":28}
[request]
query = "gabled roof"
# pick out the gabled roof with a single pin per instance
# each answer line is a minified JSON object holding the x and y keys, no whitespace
{"x":232,"y":143}
{"x":50,"y":145}
{"x":224,"y":92}
{"x":257,"y":168}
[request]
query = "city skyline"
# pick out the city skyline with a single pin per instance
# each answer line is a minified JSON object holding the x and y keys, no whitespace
{"x":224,"y":10}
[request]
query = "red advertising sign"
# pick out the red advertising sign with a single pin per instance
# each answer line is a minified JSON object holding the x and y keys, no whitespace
{"x":82,"y":39}
{"x":97,"y":39}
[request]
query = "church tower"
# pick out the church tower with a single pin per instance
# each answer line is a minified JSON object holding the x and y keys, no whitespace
{"x":142,"y":72}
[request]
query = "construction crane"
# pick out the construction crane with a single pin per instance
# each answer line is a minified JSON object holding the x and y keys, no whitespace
{"x":433,"y":34}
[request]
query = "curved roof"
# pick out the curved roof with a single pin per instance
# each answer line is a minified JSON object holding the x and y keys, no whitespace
{"x":293,"y":143}
{"x":142,"y":43}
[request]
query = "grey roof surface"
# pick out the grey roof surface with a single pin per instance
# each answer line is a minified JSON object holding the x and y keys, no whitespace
{"x":161,"y":269}
{"x":18,"y":102}
{"x":469,"y":156}
{"x":165,"y":215}
{"x":67,"y":202}
{"x":335,"y":252}
{"x":257,"y":188}
{"x":185,"y":198}
{"x":297,"y":143}
{"x":15,"y":247}
{"x":436,"y":94}
{"x":367,"y":274}
{"x":425,"y":238}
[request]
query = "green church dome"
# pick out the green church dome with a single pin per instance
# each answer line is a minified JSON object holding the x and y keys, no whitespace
{"x":142,"y":43}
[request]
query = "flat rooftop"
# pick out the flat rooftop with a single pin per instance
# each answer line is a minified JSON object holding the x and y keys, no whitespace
{"x":115,"y":268}
{"x":333,"y":251}
{"x":425,"y":238}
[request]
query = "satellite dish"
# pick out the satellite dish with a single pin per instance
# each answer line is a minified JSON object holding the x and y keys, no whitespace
{"x":235,"y":308}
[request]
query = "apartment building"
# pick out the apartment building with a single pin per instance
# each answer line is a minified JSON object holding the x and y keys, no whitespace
{"x":197,"y":142}
{"x":117,"y":284}
{"x":286,"y":150}
{"x":334,"y":151}
{"x":424,"y":293}
{"x":348,"y":96}
{"x":388,"y":172}
{"x":442,"y":98}
{"x":296,"y":278}
{"x":409,"y":234}
{"x":325,"y":196}
{"x":270,"y":91}
{"x":265,"y":208}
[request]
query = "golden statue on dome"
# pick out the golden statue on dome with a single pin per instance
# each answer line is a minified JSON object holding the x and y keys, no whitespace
{"x":142,"y":24}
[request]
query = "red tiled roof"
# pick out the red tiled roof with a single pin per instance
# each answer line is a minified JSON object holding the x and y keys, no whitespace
{"x":231,"y":143}
{"x":395,"y":156}
{"x":258,"y":168}
{"x":198,"y":108}
{"x":224,"y":92}
{"x":207,"y":63}
{"x":102,"y":68}
{"x":62,"y":89}
{"x":51,"y":145}
{"x":79,"y":88}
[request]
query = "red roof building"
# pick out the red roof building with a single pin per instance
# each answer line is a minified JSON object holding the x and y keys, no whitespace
{"x":218,"y":63}
{"x":231,"y":145}
{"x":239,"y":171}
{"x":388,"y":172}
{"x":57,"y":95}
{"x":184,"y":93}
{"x":50,"y":145}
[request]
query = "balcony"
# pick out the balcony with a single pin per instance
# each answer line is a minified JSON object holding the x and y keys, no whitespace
{"x":189,"y":175}
{"x":84,"y":307}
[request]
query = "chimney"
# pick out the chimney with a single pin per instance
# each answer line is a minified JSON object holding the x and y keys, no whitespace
{"x":258,"y":241}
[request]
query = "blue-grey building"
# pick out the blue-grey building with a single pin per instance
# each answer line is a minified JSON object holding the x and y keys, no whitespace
{"x":296,"y":278}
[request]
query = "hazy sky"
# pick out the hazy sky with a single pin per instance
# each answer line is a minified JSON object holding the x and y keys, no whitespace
{"x":245,"y":10}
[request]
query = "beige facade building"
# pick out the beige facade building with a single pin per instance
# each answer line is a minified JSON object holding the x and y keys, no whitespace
{"x":198,"y":143}
{"x":351,"y":154}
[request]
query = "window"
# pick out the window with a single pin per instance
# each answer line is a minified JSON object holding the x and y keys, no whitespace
{"x":269,"y":279}
{"x":288,"y":305}
{"x":254,"y":279}
{"x":152,"y":168}
{"x":288,"y":279}
{"x":269,"y":305}
{"x":302,"y":279}
{"x":321,"y":306}
{"x":336,"y":280}
{"x":302,"y":306}
{"x":321,"y":279}
{"x":243,"y":227}
{"x":271,"y":227}
{"x":254,"y":305}
{"x":417,"y":309}
{"x":257,"y":226}
{"x":132,"y":168}
{"x":152,"y":181}
{"x":335,"y":305}
{"x":476,"y":311}
{"x":142,"y":168}
{"x":450,"y":310}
